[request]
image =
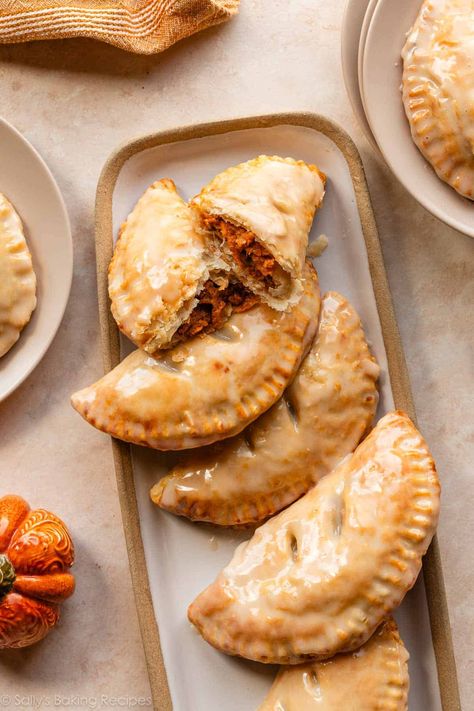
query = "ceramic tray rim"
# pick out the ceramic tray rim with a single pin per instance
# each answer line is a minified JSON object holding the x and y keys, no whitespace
{"x":432,"y":570}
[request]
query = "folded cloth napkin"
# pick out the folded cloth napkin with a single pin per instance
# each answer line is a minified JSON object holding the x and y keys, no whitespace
{"x":143,"y":26}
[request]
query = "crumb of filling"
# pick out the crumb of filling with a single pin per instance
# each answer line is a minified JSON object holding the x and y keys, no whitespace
{"x":246,"y":250}
{"x":317,"y":246}
{"x":214,"y":308}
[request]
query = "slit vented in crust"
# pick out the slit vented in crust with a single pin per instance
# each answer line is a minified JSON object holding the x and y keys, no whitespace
{"x":438,"y":89}
{"x":268,"y":607}
{"x":320,"y":419}
{"x":373,"y":678}
{"x":17,"y":277}
{"x":274,"y":200}
{"x":210,"y":387}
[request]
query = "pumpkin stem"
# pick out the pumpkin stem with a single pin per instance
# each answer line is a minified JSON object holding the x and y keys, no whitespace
{"x":7,"y":575}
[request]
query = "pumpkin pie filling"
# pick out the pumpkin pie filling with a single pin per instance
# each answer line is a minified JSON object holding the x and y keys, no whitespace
{"x":216,"y":303}
{"x":250,"y":255}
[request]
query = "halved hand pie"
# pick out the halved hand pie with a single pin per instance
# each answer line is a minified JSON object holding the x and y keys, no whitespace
{"x":165,"y":283}
{"x":374,"y":678}
{"x":320,"y":577}
{"x":438,"y":89}
{"x":17,"y":278}
{"x":321,"y":417}
{"x":210,"y":387}
{"x":259,"y":214}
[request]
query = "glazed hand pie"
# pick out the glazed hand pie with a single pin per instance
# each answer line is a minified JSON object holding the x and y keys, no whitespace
{"x":321,"y":417}
{"x":438,"y":89}
{"x":17,"y":278}
{"x":373,"y":678}
{"x":320,"y":577}
{"x":165,"y":284}
{"x":210,"y":387}
{"x":259,"y":214}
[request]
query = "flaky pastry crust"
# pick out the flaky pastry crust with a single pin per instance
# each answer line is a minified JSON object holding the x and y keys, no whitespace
{"x":275,"y":199}
{"x":319,"y":420}
{"x":17,"y":277}
{"x":160,"y":265}
{"x":209,"y":388}
{"x":373,"y":678}
{"x":319,"y":578}
{"x":438,"y":89}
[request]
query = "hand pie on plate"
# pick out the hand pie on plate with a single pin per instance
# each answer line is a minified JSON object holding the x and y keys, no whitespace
{"x":259,"y":214}
{"x":165,"y":285}
{"x":438,"y":89}
{"x":373,"y":678}
{"x":17,"y":278}
{"x":210,"y":387}
{"x":321,"y":417}
{"x":320,"y":577}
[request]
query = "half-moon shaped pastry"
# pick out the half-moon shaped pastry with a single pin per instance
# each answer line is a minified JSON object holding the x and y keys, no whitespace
{"x":165,"y":283}
{"x":373,"y":678}
{"x":320,"y":577}
{"x":319,"y":420}
{"x":210,"y":387}
{"x":17,"y":277}
{"x":259,"y":213}
{"x":438,"y":89}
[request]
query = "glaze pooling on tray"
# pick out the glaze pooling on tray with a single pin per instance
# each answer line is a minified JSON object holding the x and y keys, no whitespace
{"x":163,"y":277}
{"x":260,"y":214}
{"x":320,"y":577}
{"x":17,"y":277}
{"x":373,"y":678}
{"x":438,"y":89}
{"x":210,"y":387}
{"x":320,"y":418}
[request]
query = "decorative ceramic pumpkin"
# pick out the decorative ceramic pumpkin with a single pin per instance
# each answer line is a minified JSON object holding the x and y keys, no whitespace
{"x":36,"y":553}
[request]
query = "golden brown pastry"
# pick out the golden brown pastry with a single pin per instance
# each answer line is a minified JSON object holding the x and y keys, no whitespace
{"x":17,"y":277}
{"x":373,"y":678}
{"x":320,"y":577}
{"x":165,"y":283}
{"x":210,"y":387}
{"x":438,"y":89}
{"x":259,"y":214}
{"x":321,"y":417}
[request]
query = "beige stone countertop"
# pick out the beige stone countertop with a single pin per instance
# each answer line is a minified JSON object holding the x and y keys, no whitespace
{"x":76,"y":101}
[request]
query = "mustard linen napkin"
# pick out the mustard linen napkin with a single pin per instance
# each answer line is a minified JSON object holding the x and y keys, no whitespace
{"x":142,"y":26}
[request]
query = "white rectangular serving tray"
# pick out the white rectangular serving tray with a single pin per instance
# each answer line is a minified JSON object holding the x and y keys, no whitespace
{"x":182,"y":557}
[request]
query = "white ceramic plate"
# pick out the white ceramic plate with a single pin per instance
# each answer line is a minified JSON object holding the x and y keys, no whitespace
{"x":27,"y":182}
{"x":360,"y":52}
{"x":183,"y":558}
{"x":352,"y":21}
{"x":382,"y":74}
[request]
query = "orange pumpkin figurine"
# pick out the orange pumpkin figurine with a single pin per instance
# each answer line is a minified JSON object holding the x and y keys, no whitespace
{"x":36,"y":553}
